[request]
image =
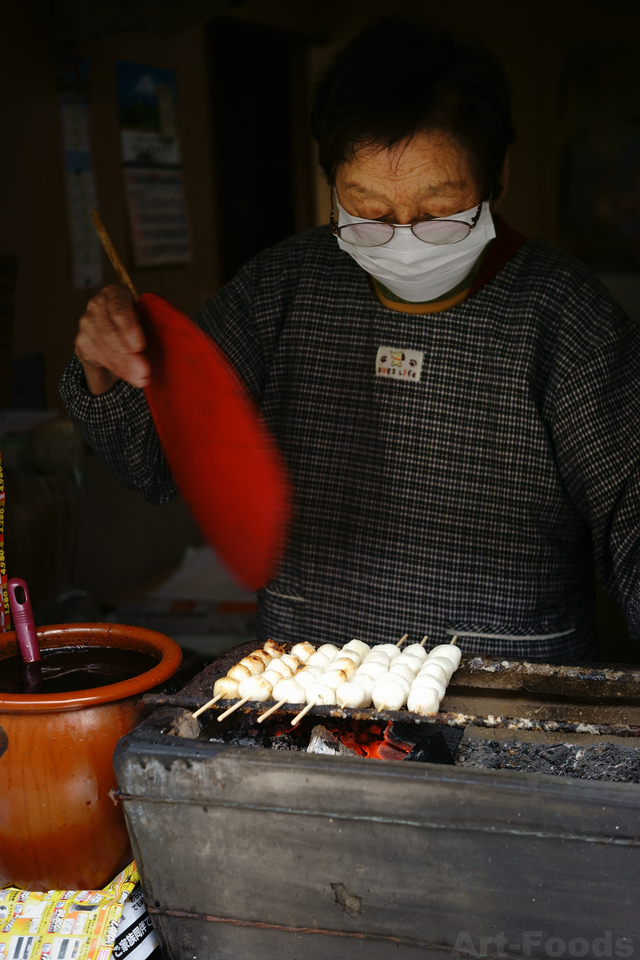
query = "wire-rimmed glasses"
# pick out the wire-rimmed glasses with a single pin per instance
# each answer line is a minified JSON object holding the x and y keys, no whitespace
{"x":375,"y":233}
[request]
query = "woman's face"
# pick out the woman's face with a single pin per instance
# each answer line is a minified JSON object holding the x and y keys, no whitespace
{"x":422,"y":178}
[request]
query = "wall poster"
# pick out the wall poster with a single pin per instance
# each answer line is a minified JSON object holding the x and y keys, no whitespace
{"x":150,"y":147}
{"x":73,"y":88}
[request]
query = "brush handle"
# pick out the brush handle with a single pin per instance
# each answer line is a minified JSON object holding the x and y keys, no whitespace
{"x":23,"y":620}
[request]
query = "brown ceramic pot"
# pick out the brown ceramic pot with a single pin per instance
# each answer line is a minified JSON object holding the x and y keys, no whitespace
{"x":59,"y":826}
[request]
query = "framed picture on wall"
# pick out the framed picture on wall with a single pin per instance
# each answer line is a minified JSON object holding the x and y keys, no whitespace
{"x":157,"y":214}
{"x":153,"y":179}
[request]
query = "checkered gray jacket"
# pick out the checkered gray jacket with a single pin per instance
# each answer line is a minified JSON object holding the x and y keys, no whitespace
{"x":457,"y":472}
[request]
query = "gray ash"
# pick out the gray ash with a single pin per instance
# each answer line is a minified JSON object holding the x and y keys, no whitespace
{"x":598,"y":761}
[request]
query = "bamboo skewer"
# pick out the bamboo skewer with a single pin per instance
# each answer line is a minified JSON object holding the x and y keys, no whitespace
{"x":112,"y":253}
{"x":267,"y":713}
{"x":209,"y":703}
{"x":298,"y":717}
{"x":238,"y":703}
{"x":280,"y":703}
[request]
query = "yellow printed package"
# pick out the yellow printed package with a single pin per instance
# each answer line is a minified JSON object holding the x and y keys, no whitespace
{"x":63,"y":924}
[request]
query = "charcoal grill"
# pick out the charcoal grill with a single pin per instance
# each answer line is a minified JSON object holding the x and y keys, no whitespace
{"x":285,"y":855}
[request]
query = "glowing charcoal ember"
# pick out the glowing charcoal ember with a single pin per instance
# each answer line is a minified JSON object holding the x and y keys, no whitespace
{"x":353,"y":695}
{"x":289,"y":691}
{"x":374,"y":670}
{"x":416,"y":650}
{"x":447,"y":650}
{"x":428,"y":680}
{"x":403,"y":670}
{"x":388,"y":695}
{"x":255,"y":688}
{"x":391,"y":650}
{"x":359,"y":646}
{"x":321,"y":695}
{"x":346,"y":664}
{"x":414,"y":662}
{"x":254,"y":664}
{"x":435,"y":670}
{"x":303,"y":651}
{"x":239,"y":672}
{"x":273,"y":648}
{"x":227,"y":686}
{"x":329,"y":650}
{"x":318,"y":659}
{"x":333,"y":678}
{"x":423,"y":701}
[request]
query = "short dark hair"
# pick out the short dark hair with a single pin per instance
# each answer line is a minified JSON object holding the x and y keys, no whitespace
{"x":400,"y":76}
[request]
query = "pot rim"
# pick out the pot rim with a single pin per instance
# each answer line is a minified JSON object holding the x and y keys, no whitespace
{"x":72,"y":634}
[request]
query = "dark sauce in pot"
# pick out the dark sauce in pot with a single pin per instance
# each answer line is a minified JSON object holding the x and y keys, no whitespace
{"x":65,"y":669}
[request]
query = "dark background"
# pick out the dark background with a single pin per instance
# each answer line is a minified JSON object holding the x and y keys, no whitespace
{"x":243,"y":80}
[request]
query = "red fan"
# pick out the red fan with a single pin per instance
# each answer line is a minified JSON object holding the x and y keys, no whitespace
{"x":222,"y":456}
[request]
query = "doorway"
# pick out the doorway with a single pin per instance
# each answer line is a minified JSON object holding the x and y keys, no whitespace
{"x":259,"y":85}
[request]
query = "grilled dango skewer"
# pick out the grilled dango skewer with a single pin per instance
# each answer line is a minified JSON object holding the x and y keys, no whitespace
{"x":447,"y":650}
{"x":416,"y":650}
{"x":303,"y":650}
{"x":374,"y":670}
{"x":273,"y":648}
{"x":388,"y":695}
{"x":352,"y":694}
{"x":443,"y":662}
{"x":251,"y":688}
{"x":429,"y":680}
{"x":333,"y":678}
{"x":253,"y":663}
{"x":329,"y":650}
{"x":227,"y":686}
{"x":346,"y":664}
{"x":435,"y":670}
{"x":414,"y":662}
{"x":391,"y":650}
{"x":239,"y":672}
{"x":359,"y":646}
{"x":424,"y":701}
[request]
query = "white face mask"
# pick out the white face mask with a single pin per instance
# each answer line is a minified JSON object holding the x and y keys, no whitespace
{"x":419,"y":271}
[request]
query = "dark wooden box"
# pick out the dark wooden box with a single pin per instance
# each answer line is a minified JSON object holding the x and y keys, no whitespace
{"x":250,"y":854}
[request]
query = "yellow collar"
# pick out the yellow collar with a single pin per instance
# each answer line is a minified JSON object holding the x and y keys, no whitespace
{"x":421,"y":307}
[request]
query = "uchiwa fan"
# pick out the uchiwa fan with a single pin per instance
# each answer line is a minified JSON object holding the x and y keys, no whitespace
{"x":222,"y":456}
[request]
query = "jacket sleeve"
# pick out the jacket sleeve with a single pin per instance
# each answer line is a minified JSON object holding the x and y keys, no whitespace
{"x":596,"y":433}
{"x":118,"y":424}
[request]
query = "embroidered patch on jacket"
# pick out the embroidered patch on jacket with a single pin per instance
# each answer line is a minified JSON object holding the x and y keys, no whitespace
{"x":401,"y":364}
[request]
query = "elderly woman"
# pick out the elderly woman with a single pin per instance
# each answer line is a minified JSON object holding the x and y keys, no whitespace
{"x":459,"y":406}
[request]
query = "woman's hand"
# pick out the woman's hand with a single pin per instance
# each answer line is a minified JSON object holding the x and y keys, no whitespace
{"x":111,"y":341}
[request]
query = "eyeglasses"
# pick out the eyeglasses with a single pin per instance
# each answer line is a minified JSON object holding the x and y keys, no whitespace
{"x":375,"y":233}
